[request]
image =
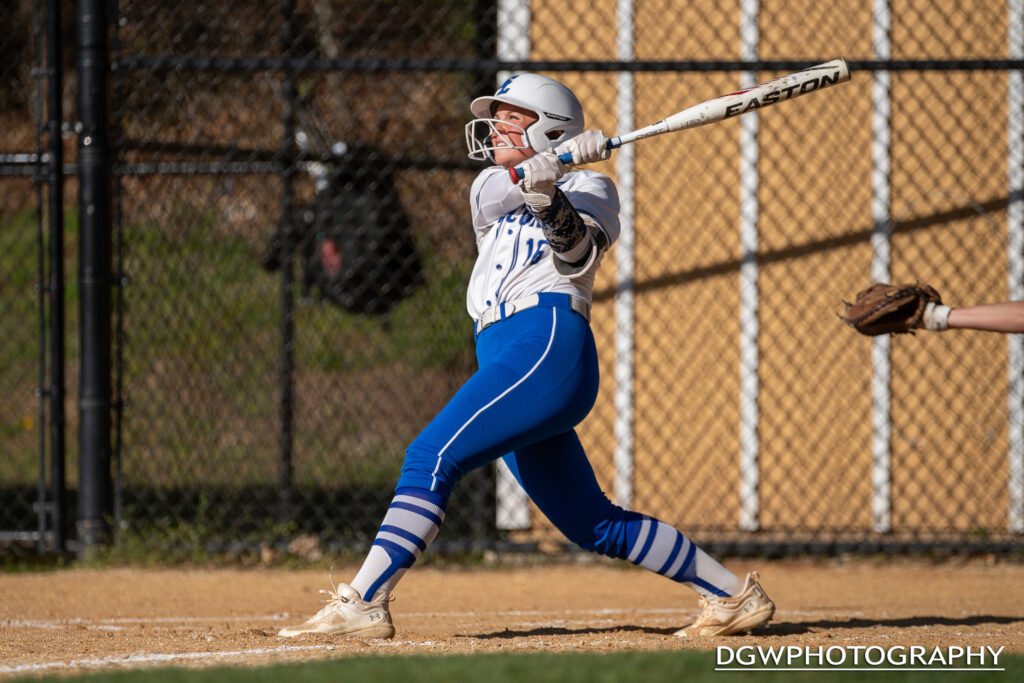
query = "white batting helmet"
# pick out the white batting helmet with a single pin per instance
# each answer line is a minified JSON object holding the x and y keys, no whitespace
{"x":560,"y":114}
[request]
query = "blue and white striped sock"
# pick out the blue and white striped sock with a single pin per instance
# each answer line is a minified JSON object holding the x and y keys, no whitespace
{"x":664,"y":550}
{"x":411,"y":523}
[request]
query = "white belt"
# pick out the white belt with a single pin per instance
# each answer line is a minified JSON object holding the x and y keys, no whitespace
{"x":507,"y":309}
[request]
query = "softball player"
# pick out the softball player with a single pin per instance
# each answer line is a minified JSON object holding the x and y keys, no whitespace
{"x":540,"y":244}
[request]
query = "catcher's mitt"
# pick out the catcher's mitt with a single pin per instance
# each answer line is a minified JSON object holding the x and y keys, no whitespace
{"x":890,"y":309}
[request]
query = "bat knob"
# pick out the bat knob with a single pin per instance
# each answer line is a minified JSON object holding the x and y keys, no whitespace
{"x":515,"y":174}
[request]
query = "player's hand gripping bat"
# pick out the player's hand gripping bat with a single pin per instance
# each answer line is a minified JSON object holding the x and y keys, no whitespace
{"x":727,"y":106}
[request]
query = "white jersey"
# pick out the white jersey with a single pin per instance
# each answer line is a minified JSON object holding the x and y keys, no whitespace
{"x":514,"y":258}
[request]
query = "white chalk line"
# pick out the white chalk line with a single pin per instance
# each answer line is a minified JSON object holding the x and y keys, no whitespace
{"x":147,"y":658}
{"x":169,"y":658}
{"x":561,"y":616}
{"x":556,"y":619}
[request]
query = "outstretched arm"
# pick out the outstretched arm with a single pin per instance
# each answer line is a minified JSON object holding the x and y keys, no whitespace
{"x":885,"y":308}
{"x":1007,"y":316}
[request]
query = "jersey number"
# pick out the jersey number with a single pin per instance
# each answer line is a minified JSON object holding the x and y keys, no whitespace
{"x":531,"y":257}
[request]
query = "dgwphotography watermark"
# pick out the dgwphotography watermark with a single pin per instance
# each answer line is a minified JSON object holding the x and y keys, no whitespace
{"x":858,"y":658}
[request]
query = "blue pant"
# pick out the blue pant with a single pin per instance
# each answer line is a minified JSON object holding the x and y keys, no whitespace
{"x":537,"y":379}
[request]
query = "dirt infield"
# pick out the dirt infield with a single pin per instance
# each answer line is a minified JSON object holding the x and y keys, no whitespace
{"x":75,"y":620}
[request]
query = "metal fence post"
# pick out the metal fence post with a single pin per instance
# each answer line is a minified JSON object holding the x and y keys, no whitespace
{"x":94,"y":483}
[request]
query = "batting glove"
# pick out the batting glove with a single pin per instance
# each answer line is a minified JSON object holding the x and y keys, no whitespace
{"x":586,"y":148}
{"x":540,"y":172}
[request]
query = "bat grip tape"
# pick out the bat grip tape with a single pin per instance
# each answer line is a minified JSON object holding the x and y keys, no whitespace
{"x":516,"y":173}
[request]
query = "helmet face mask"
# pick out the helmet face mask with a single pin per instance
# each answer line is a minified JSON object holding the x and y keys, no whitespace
{"x":559,"y":115}
{"x":479,"y":137}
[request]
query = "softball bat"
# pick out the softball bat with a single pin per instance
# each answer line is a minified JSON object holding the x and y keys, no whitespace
{"x":755,"y":98}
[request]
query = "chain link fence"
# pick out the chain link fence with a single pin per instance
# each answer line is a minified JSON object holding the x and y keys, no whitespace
{"x":292,"y":247}
{"x":33,"y":254}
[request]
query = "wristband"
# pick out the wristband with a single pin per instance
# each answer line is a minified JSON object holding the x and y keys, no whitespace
{"x":936,"y":317}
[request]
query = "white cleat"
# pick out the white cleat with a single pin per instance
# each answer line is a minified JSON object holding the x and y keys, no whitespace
{"x":724,"y":616}
{"x":346,"y":614}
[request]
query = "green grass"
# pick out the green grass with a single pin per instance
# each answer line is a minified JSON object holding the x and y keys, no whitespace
{"x":619,"y":667}
{"x":233,"y":305}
